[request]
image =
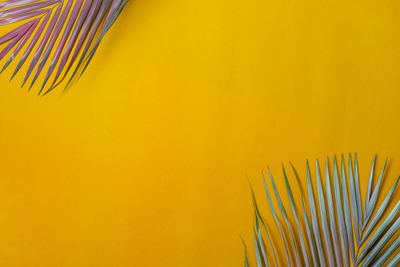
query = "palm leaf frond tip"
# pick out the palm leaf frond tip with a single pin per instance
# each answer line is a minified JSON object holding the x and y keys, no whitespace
{"x":66,"y":31}
{"x":351,"y":235}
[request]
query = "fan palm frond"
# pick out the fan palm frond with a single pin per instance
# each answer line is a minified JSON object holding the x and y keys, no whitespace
{"x":351,"y":235}
{"x":63,"y":30}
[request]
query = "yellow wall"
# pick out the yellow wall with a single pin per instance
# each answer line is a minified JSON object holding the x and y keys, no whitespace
{"x":144,"y":161}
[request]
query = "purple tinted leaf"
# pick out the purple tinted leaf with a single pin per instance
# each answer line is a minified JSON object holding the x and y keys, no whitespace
{"x":10,"y":35}
{"x":21,"y":17}
{"x":27,"y":8}
{"x":53,"y":39}
{"x":12,"y":3}
{"x":22,"y":43}
{"x":43,"y":43}
{"x":99,"y":18}
{"x":32,"y":43}
{"x":67,"y":31}
{"x":72,"y":39}
{"x":120,"y":4}
{"x":59,"y":25}
{"x":83,"y":35}
{"x":22,"y":30}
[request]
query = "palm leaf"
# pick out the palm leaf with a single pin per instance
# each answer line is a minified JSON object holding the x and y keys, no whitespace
{"x":324,"y":218}
{"x":314,"y":219}
{"x":332,"y":221}
{"x":246,"y":260}
{"x":306,"y":222}
{"x":283,"y":212}
{"x":299,"y":231}
{"x":57,"y":33}
{"x":257,"y":217}
{"x":340,"y":216}
{"x":346,"y":245}
{"x":271,"y":205}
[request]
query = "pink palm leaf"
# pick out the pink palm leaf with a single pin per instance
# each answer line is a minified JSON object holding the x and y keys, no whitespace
{"x":65,"y":33}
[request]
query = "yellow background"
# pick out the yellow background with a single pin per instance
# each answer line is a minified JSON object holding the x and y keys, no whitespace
{"x":144,"y":161}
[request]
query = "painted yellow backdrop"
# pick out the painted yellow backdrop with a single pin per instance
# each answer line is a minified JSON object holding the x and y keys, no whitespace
{"x":144,"y":161}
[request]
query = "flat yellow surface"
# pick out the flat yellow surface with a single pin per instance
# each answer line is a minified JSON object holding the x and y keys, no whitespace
{"x":144,"y":161}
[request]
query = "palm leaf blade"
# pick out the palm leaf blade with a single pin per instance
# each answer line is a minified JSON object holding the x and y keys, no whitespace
{"x":378,"y":232}
{"x":380,"y":245}
{"x":379,"y":213}
{"x":314,"y":219}
{"x":354,"y":201}
{"x":77,"y":29}
{"x":67,"y":31}
{"x":307,"y":223}
{"x":347,"y":216}
{"x":339,"y":212}
{"x":91,"y":16}
{"x":283,"y":212}
{"x":260,"y":240}
{"x":325,"y":227}
{"x":52,"y":41}
{"x":257,"y":211}
{"x":395,"y":261}
{"x":110,"y":20}
{"x":374,"y":197}
{"x":300,"y":232}
{"x":271,"y":205}
{"x":100,"y":13}
{"x":346,"y":209}
{"x":32,"y":44}
{"x":368,"y":195}
{"x":259,"y":264}
{"x":358,"y":193}
{"x":332,"y":216}
{"x":22,"y":43}
{"x":388,"y":252}
{"x":66,"y":24}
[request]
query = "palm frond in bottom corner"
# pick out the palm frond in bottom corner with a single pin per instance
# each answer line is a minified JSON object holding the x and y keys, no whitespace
{"x":340,"y":230}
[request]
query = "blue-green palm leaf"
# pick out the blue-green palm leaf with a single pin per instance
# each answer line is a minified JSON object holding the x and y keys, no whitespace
{"x":350,"y":236}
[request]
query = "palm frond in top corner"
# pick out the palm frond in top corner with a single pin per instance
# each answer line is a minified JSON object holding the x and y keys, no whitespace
{"x":55,"y":37}
{"x":353,"y":233}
